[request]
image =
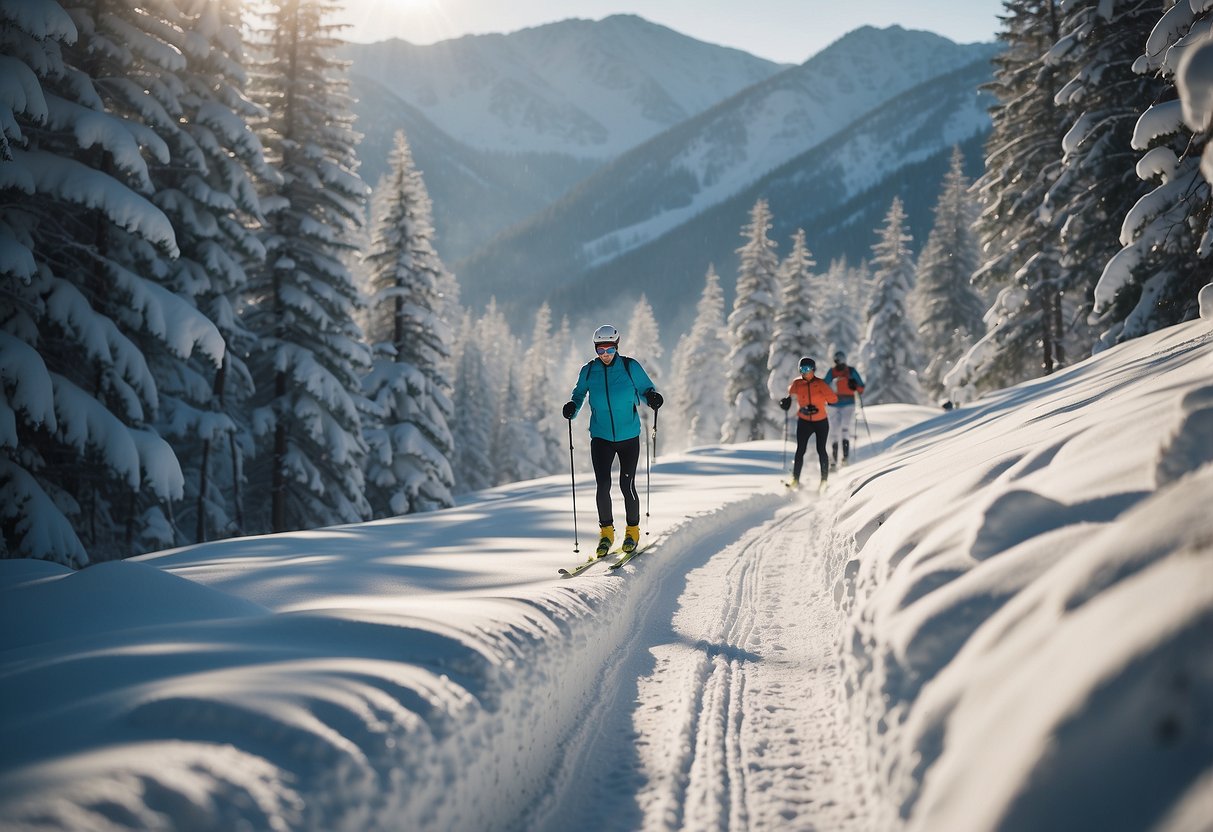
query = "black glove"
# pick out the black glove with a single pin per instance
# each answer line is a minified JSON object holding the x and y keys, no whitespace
{"x":654,"y":399}
{"x":569,"y":410}
{"x":847,"y":384}
{"x":809,"y":409}
{"x":785,"y":402}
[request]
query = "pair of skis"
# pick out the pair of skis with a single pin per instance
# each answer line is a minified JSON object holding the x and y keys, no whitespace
{"x":821,"y":488}
{"x":627,"y":556}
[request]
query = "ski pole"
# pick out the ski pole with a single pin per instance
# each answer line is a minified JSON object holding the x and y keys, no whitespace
{"x":784,"y":461}
{"x":573,"y":480}
{"x":859,"y":399}
{"x":648,"y":476}
{"x":648,"y":473}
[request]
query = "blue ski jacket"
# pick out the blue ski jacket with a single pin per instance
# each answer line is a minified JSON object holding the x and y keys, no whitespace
{"x":615,"y":392}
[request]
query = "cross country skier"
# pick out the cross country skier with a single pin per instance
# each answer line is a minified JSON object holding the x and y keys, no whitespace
{"x":847,"y":382}
{"x":812,"y":395}
{"x":616,"y":384}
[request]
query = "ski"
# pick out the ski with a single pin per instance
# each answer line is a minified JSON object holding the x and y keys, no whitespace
{"x":627,"y":557}
{"x":577,"y":570}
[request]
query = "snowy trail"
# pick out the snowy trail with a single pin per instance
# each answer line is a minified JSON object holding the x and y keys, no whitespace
{"x":732,"y":717}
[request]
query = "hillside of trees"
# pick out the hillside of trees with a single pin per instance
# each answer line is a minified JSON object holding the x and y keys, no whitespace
{"x":202,"y":334}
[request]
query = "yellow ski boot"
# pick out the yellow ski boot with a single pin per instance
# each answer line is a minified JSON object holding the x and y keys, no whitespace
{"x":631,"y":538}
{"x":607,"y":538}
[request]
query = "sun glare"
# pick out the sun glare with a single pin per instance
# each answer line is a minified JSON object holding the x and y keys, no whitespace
{"x":420,"y":21}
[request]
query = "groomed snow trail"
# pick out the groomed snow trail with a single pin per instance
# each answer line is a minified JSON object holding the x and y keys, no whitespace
{"x":724,"y":712}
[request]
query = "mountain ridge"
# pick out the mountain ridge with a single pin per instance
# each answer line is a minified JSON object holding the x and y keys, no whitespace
{"x":667,"y":181}
{"x":584,"y":88}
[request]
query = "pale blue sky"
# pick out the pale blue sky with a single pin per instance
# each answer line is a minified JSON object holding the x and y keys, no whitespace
{"x":789,"y":31}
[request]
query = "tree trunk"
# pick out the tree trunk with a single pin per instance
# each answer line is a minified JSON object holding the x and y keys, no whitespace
{"x":278,"y":480}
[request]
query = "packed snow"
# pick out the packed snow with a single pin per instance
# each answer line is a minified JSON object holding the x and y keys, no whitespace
{"x":998,"y":617}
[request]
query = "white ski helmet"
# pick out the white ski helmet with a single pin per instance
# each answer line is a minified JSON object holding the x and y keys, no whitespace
{"x":606,"y":334}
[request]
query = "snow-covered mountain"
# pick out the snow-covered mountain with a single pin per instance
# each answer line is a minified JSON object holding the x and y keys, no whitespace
{"x":821,"y":133}
{"x":590,"y":89}
{"x":839,"y":192}
{"x":476,"y":193}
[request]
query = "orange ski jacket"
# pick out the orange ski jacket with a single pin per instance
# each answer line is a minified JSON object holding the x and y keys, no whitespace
{"x":812,"y":392}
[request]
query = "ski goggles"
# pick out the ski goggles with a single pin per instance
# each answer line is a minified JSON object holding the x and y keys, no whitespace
{"x":805,"y":368}
{"x":604,"y":349}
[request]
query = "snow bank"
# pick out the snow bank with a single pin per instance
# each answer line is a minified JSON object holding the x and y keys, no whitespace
{"x":419,"y":673}
{"x":1029,"y":595}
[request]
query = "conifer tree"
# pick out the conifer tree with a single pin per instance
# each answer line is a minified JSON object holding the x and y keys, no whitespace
{"x":1167,"y":236}
{"x":208,"y":189}
{"x":948,"y":311}
{"x":696,"y":402}
{"x":839,"y":291}
{"x":797,"y":320}
{"x":1025,"y":329}
{"x":472,"y":421}
{"x":1098,"y":182}
{"x":752,"y":413}
{"x":541,"y":399}
{"x":410,"y":445}
{"x":889,"y":354}
{"x":643,"y":339}
{"x":83,"y":248}
{"x":309,"y":354}
{"x":514,"y":443}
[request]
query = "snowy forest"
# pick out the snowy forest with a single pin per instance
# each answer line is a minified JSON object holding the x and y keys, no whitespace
{"x":211,"y":326}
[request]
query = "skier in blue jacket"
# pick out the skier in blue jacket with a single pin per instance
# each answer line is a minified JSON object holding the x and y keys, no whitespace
{"x":616,"y":384}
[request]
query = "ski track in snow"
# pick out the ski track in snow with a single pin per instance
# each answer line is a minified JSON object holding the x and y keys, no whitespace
{"x":722,"y":711}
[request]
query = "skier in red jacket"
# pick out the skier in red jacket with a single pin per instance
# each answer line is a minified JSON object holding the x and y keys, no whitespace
{"x":848,"y":384}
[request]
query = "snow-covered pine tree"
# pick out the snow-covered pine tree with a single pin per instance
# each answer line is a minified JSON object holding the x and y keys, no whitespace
{"x":541,"y":396}
{"x":947,"y":309}
{"x":515,"y":444}
{"x":472,"y":421}
{"x":889,"y":355}
{"x":409,"y":442}
{"x":1022,"y":245}
{"x":83,"y":473}
{"x":797,"y":319}
{"x":309,"y":355}
{"x":642,"y":340}
{"x":696,"y":403}
{"x":208,"y":189}
{"x":1155,"y":279}
{"x":838,"y":291}
{"x":1098,"y":182}
{"x":752,"y":413}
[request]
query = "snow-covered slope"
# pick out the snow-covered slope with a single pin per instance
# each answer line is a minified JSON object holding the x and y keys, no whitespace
{"x":1006,"y":612}
{"x":578,"y":87}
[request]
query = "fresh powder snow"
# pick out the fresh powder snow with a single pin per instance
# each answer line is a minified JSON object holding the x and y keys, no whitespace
{"x":998,"y":617}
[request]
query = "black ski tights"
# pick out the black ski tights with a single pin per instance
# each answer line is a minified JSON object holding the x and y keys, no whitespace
{"x":602,"y":454}
{"x":805,"y":429}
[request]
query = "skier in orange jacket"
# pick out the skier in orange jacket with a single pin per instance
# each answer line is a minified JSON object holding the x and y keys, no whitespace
{"x":812,"y":395}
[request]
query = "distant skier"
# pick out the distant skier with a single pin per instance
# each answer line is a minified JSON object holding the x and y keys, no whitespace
{"x":616,"y":384}
{"x":812,"y":395}
{"x":847,"y":382}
